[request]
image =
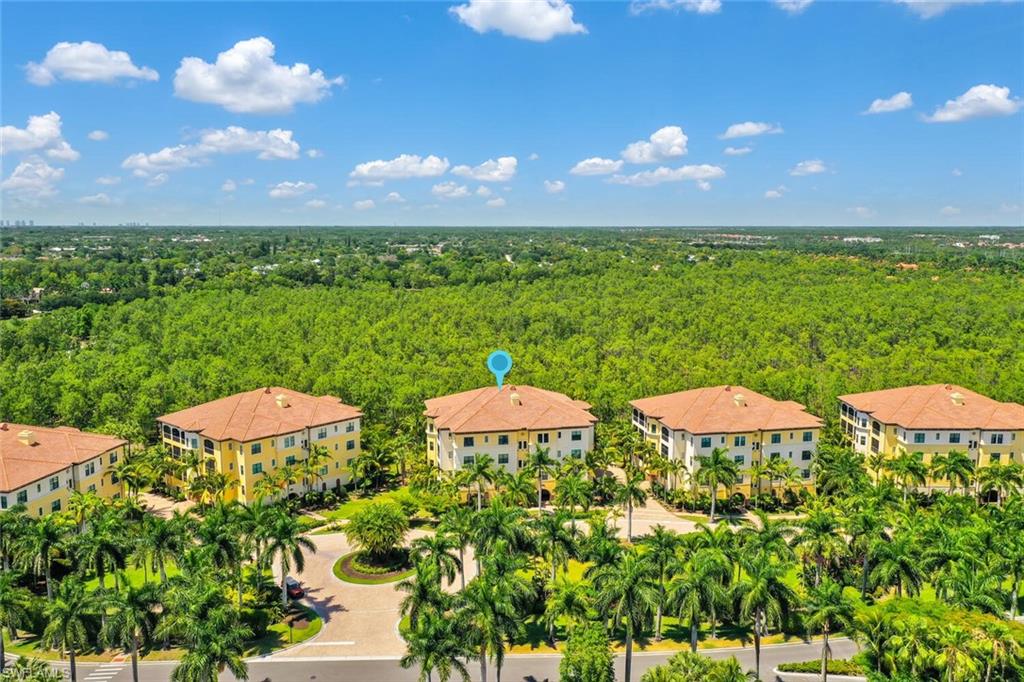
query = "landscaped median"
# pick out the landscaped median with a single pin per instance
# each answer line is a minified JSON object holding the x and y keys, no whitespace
{"x":359,"y":568}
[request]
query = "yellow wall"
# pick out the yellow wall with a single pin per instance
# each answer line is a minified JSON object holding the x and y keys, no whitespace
{"x":41,"y":497}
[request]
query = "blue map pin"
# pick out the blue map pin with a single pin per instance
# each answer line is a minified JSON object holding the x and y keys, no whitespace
{"x":499,"y":362}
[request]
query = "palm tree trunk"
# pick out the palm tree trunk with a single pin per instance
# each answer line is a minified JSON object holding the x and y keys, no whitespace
{"x":478,"y":503}
{"x":462,"y":565}
{"x":629,"y":651}
{"x":864,"y":576}
{"x":74,"y":670}
{"x":240,"y":570}
{"x":135,"y":659}
{"x":1013,"y":597}
{"x":713,"y":496}
{"x":693,"y":634}
{"x":3,"y":653}
{"x":284,"y":585}
{"x":46,"y":576}
{"x":629,"y":520}
{"x":757,"y":644}
{"x":539,"y":488}
{"x":824,"y":656}
{"x":483,"y":663}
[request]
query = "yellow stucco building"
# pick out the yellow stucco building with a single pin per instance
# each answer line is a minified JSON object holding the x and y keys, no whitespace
{"x":933,"y":420}
{"x":250,"y":435}
{"x":688,"y":425}
{"x":40,"y":467}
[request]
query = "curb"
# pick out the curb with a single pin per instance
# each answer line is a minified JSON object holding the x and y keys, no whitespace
{"x":817,"y":676}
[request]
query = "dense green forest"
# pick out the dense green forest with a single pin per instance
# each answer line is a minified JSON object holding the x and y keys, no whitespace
{"x":384,"y":320}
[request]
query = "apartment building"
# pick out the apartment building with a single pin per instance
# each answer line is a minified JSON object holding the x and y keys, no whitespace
{"x":40,"y":467}
{"x":507,"y":424}
{"x":250,"y":435}
{"x":687,"y":425}
{"x":933,"y":420}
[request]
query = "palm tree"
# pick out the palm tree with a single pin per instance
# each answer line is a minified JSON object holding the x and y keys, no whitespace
{"x":567,"y":599}
{"x":541,"y":465}
{"x":14,"y":603}
{"x":423,"y":593}
{"x":84,"y":506}
{"x":215,"y":646}
{"x":480,"y":472}
{"x":131,"y":620}
{"x":897,"y":564}
{"x":695,"y":592}
{"x":66,"y":617}
{"x":631,"y":493}
{"x":437,"y":549}
{"x":373,"y":466}
{"x":1003,"y":478}
{"x":287,"y":543}
{"x":909,"y":470}
{"x":759,"y":471}
{"x":13,"y":524}
{"x":956,"y":654}
{"x":286,"y":477}
{"x":716,"y":469}
{"x":487,"y":610}
{"x":457,"y":523}
{"x":38,"y":545}
{"x":573,"y":491}
{"x":828,"y":609}
{"x":500,"y":522}
{"x":554,"y":541}
{"x":971,"y":588}
{"x":770,"y":536}
{"x":438,"y":643}
{"x":764,"y":597}
{"x":99,"y":547}
{"x":627,"y":590}
{"x":864,"y":526}
{"x":661,"y":545}
{"x":954,"y":466}
{"x":517,"y":488}
{"x":819,"y":539}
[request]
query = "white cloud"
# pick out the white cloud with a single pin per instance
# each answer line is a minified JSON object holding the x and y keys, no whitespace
{"x":596,"y":166}
{"x":929,"y":9}
{"x":497,"y":202}
{"x":750,"y":129}
{"x":449,"y":190}
{"x":957,"y":172}
{"x":229,"y":185}
{"x":41,"y":133}
{"x":537,"y":20}
{"x":776,"y":193}
{"x":289,"y":190}
{"x":246,"y":79}
{"x":158,"y":179}
{"x":364,"y":205}
{"x":979,"y":101}
{"x":483,"y":191}
{"x":394,"y":198}
{"x":98,"y":135}
{"x":86,"y":61}
{"x":108,"y":180}
{"x":738,"y":151}
{"x":809,"y":167}
{"x":316,"y":203}
{"x":901,"y":100}
{"x":502,"y":170}
{"x":863,"y":211}
{"x":700,"y":173}
{"x":554,"y":186}
{"x":314,"y":153}
{"x":696,"y":6}
{"x":399,"y":168}
{"x":100,"y":199}
{"x":949,"y":211}
{"x":666,"y":143}
{"x":268,"y":145}
{"x":534,"y":156}
{"x":33,"y":179}
{"x":793,"y":6}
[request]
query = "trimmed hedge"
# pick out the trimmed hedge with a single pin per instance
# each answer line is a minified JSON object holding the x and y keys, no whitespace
{"x":837,"y":666}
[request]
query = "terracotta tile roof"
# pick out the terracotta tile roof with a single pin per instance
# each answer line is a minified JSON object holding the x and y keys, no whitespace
{"x":725,"y":409}
{"x":936,"y":407}
{"x":488,"y":409}
{"x":55,"y":449}
{"x":256,"y":414}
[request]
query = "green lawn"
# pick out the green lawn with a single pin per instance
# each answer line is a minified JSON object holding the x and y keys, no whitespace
{"x":135,"y":576}
{"x":346,"y":509}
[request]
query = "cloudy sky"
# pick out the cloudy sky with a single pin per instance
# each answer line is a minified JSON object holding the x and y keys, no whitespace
{"x":533,"y":112}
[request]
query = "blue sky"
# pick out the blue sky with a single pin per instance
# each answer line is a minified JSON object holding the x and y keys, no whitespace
{"x":509,"y":98}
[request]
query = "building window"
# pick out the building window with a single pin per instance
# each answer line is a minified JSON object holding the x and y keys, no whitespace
{"x":208,"y":446}
{"x":503,"y":458}
{"x":577,"y":452}
{"x":55,"y":506}
{"x":54,"y":482}
{"x":806,"y":473}
{"x":114,"y":478}
{"x":503,"y":439}
{"x":323,"y":471}
{"x":321,"y":434}
{"x":523,"y":445}
{"x":91,"y":488}
{"x":289,"y":441}
{"x":918,"y":437}
{"x":257,"y":468}
{"x":348,"y":462}
{"x":576,"y":435}
{"x":738,"y":459}
{"x":664,"y":450}
{"x":350,"y":427}
{"x":997,"y":439}
{"x":22,"y":496}
{"x":739,"y":441}
{"x":467,"y":460}
{"x":289,"y":460}
{"x":90,"y":468}
{"x":805,"y":455}
{"x":654,"y":428}
{"x":430,"y":445}
{"x":776,"y":438}
{"x":705,"y":441}
{"x":874,"y":445}
{"x":954,"y":438}
{"x":3,"y":502}
{"x":350,"y":445}
{"x":468,"y":441}
{"x":113,"y":458}
{"x":543,"y":438}
{"x":808,"y":436}
{"x":995,"y":457}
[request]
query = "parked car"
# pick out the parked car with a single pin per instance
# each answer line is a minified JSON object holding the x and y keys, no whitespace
{"x":294,"y":589}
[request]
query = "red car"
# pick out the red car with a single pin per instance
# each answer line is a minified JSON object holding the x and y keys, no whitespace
{"x":294,"y":589}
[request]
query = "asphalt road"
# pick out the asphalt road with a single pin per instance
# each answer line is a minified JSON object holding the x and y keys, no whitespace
{"x":521,"y":668}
